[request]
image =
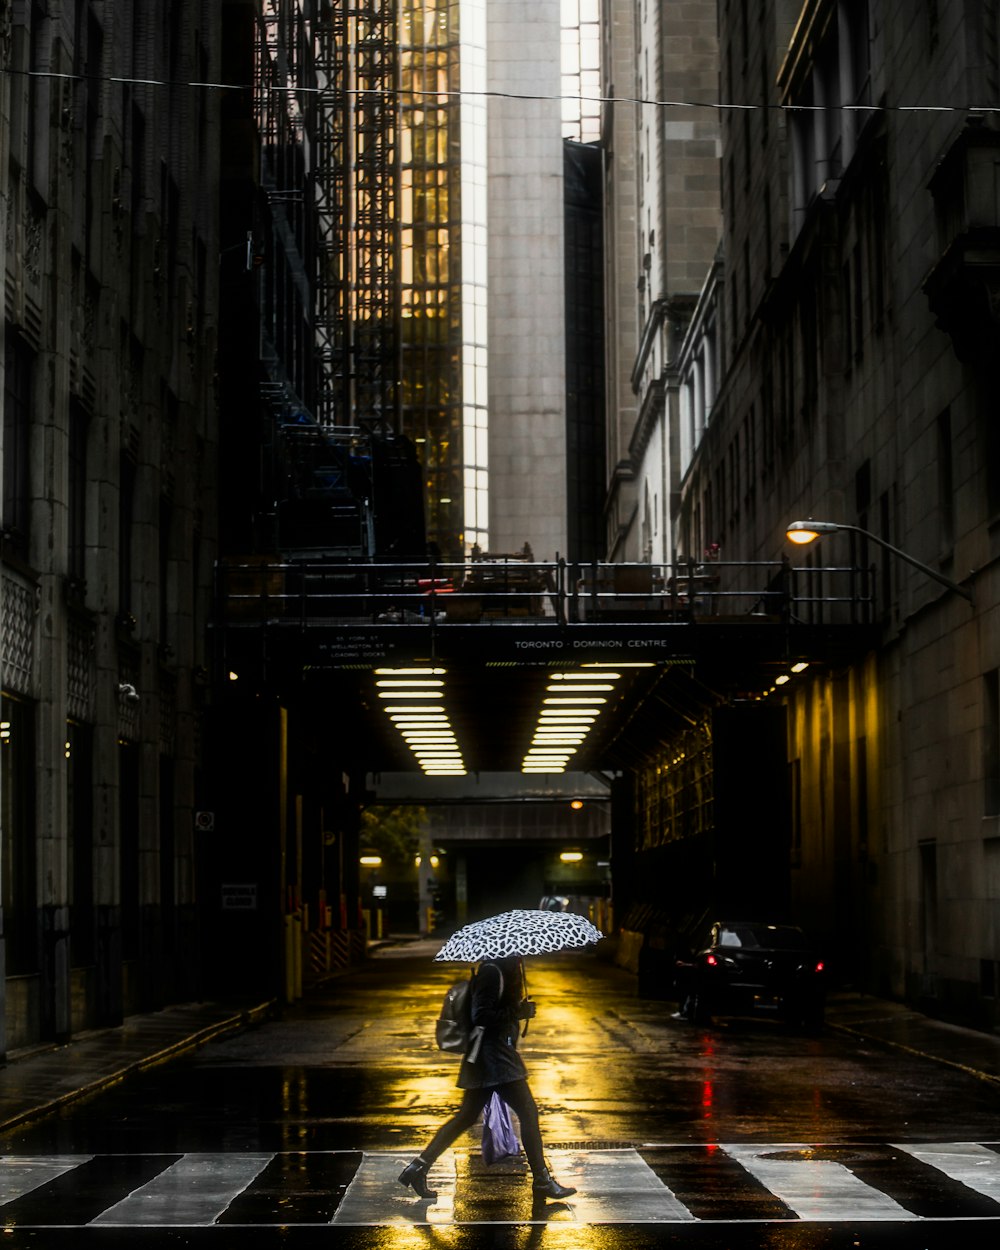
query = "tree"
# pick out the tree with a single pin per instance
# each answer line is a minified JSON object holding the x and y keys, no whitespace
{"x":394,"y":832}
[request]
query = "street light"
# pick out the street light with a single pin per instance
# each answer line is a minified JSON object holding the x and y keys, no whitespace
{"x":803,"y":532}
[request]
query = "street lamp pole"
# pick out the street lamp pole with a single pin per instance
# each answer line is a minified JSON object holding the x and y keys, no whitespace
{"x":803,"y":532}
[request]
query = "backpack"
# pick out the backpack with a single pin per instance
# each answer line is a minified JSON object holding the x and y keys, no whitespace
{"x":454,"y":1031}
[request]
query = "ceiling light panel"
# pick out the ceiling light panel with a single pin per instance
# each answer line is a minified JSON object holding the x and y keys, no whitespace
{"x":572,"y":704}
{"x":425,"y":730}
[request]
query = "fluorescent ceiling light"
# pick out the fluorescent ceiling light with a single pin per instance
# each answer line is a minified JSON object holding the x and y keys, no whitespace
{"x":584,"y":676}
{"x":577,"y":688}
{"x":409,"y":694}
{"x":409,"y":683}
{"x":587,"y":701}
{"x":621,"y":664}
{"x":409,"y":672}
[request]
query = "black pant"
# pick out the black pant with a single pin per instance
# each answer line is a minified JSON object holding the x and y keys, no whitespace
{"x":517,"y":1096}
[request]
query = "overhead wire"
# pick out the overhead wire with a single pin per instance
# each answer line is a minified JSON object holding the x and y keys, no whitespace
{"x":298,"y":88}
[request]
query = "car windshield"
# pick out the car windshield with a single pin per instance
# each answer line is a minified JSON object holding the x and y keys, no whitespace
{"x":766,"y":936}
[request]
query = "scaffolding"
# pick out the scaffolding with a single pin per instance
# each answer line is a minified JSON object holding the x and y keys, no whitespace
{"x":356,"y":180}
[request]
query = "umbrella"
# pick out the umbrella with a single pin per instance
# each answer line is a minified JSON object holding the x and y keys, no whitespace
{"x":518,"y":933}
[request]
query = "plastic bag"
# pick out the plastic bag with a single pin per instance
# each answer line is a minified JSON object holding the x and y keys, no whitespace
{"x":499,"y":1140}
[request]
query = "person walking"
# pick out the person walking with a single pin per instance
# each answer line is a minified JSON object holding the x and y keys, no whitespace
{"x":498,"y":1005}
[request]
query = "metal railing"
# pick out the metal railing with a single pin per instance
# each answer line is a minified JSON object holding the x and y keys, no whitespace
{"x":510,"y":590}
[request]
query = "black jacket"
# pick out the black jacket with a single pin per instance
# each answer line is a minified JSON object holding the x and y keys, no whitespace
{"x":497,"y":1014}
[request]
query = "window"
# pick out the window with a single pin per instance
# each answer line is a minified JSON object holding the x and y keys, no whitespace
{"x":828,"y":85}
{"x":126,"y":510}
{"x":77,"y":501}
{"x":17,"y":410}
{"x":991,"y":742}
{"x":17,"y":801}
{"x":39,"y":88}
{"x":80,"y":841}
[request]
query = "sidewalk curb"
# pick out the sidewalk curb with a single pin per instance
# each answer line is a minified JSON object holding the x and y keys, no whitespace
{"x":230,"y":1024}
{"x":875,"y":1039}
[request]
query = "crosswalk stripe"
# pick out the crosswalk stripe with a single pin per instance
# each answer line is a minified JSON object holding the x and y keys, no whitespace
{"x":816,"y":1189}
{"x":976,"y":1166}
{"x":375,"y":1196}
{"x":19,"y":1176}
{"x":194,"y":1190}
{"x":616,"y":1187}
{"x":613,"y":1187}
{"x":663,"y":1184}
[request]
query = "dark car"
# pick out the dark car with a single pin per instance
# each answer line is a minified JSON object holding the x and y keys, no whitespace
{"x":739,"y":968}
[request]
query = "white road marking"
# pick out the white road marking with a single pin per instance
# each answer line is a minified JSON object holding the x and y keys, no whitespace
{"x":972,"y":1164}
{"x":375,"y":1195}
{"x":194,"y":1190}
{"x":20,"y":1176}
{"x":816,"y":1189}
{"x":613,"y":1187}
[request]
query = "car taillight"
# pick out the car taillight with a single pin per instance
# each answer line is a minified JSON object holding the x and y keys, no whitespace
{"x":819,"y":966}
{"x":711,"y":961}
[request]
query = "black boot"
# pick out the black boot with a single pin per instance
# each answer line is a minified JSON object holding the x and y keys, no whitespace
{"x":415,"y":1175}
{"x":545,"y":1185}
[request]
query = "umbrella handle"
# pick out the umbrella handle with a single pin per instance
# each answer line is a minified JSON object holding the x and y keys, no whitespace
{"x":524,"y":995}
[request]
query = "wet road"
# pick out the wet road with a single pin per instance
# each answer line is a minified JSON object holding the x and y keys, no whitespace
{"x":745,"y":1134}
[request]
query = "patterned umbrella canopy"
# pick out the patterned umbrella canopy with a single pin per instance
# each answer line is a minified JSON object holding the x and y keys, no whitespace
{"x":518,"y":933}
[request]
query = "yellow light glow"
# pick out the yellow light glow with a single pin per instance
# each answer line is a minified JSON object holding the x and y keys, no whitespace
{"x":590,"y":701}
{"x":408,"y":694}
{"x":579,"y":676}
{"x":410,"y":672}
{"x":409,"y":683}
{"x":578,"y":688}
{"x":571,"y":857}
{"x":621,"y":664}
{"x":800,"y":667}
{"x":780,"y":681}
{"x":370,"y":861}
{"x":801,"y":536}
{"x":576,"y":805}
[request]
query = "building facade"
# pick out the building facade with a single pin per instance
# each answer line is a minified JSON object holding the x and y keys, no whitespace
{"x":662,"y":224}
{"x":109,"y":232}
{"x":839,"y":365}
